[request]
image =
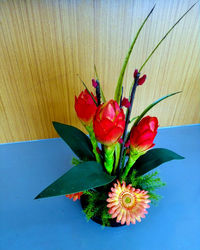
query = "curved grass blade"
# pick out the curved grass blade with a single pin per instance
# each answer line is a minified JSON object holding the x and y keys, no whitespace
{"x":152,"y":105}
{"x":101,"y":91}
{"x":87,"y":90}
{"x":118,"y":90}
{"x":133,"y":119}
{"x":165,"y":36}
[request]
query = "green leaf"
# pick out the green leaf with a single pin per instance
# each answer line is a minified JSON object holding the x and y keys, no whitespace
{"x":84,"y":176}
{"x":76,"y":140}
{"x":118,"y":90}
{"x":165,"y":36}
{"x":152,"y":105}
{"x":101,"y":91}
{"x":133,"y":119}
{"x":153,"y":158}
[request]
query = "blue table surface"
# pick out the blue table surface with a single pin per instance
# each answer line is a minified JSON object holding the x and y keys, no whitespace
{"x":58,"y":223}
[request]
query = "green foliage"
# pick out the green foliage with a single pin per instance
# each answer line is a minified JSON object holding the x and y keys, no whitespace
{"x":72,"y":135}
{"x":153,"y":158}
{"x":72,"y":181}
{"x":101,"y":91}
{"x":97,"y":206}
{"x":118,"y":90}
{"x":76,"y":161}
{"x":149,"y":182}
{"x":150,"y":107}
{"x":166,"y":36}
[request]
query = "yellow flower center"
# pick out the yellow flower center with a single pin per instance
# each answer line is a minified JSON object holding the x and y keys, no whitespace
{"x":128,"y":200}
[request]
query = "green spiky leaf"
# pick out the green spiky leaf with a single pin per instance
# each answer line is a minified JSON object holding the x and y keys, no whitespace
{"x":133,"y":119}
{"x":84,"y":176}
{"x":88,"y":90}
{"x":118,"y":91}
{"x":101,"y":91}
{"x":165,"y":36}
{"x":152,"y":105}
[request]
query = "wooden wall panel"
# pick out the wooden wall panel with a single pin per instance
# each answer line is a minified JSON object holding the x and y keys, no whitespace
{"x":45,"y":44}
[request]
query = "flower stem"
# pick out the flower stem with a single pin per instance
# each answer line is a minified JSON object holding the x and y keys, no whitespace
{"x":109,"y":158}
{"x":94,"y":143}
{"x":128,"y":114}
{"x":127,"y":169}
{"x":98,"y":93}
{"x":134,"y":155}
{"x":117,"y":154}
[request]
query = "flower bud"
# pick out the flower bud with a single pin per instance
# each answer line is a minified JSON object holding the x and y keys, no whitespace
{"x":142,"y":135}
{"x":85,"y":107}
{"x":142,"y":79}
{"x":109,"y":123}
{"x":94,"y":83}
{"x":135,"y":73}
{"x":120,"y":140}
{"x":125,"y":103}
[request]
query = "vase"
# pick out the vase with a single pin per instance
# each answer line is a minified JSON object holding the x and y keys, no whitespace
{"x":96,"y":218}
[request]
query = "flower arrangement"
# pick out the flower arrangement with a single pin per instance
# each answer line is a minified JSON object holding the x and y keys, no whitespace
{"x":110,"y":175}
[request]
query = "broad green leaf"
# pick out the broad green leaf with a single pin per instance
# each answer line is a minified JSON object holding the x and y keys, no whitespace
{"x":165,"y":36}
{"x":153,"y":158}
{"x":152,"y":105}
{"x":76,"y":140}
{"x":84,"y":176}
{"x":88,"y":90}
{"x":118,"y":90}
{"x":101,"y":91}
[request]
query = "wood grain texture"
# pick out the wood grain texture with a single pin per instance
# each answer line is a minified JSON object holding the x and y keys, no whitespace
{"x":45,"y":44}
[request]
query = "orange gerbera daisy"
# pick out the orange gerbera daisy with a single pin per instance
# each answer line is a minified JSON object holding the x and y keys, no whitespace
{"x":127,"y":203}
{"x":74,"y":196}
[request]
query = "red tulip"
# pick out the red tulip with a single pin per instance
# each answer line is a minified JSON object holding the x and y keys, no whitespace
{"x":85,"y":107}
{"x":109,"y":123}
{"x":142,"y":135}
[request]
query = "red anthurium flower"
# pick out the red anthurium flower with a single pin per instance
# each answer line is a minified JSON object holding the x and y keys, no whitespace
{"x":85,"y":107}
{"x":109,"y":123}
{"x":142,"y":135}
